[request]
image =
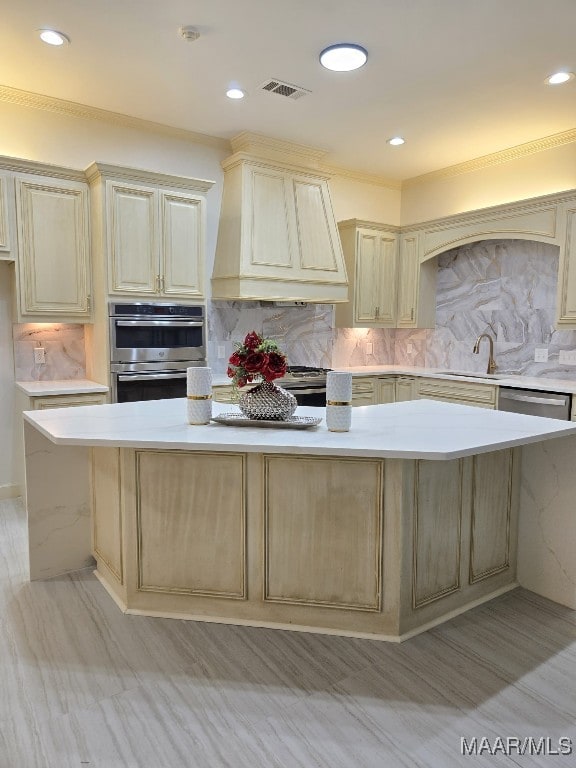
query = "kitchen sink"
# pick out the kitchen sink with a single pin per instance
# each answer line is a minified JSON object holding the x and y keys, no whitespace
{"x":474,"y":375}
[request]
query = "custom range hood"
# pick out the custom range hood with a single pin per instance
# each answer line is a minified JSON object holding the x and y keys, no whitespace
{"x":277,"y":238}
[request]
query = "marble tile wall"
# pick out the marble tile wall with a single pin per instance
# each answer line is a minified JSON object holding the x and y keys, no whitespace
{"x":65,"y":351}
{"x":503,"y":287}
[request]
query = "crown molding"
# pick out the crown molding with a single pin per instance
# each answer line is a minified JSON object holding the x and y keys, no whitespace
{"x":361,"y":176}
{"x":83,"y":111}
{"x":496,"y":158}
{"x":256,"y":143}
{"x":98,"y":170}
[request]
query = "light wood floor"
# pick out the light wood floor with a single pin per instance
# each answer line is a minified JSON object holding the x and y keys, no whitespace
{"x":83,"y":685}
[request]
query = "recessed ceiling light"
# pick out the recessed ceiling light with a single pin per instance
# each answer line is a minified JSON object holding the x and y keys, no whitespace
{"x":343,"y":57}
{"x":559,"y":77}
{"x":396,"y":141}
{"x":235,"y":93}
{"x":52,"y":37}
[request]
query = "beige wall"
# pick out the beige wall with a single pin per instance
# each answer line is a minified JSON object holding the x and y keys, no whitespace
{"x":358,"y":200}
{"x":542,"y":173}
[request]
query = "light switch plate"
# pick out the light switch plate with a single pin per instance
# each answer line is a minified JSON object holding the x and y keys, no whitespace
{"x":369,"y":348}
{"x":221,"y":351}
{"x":541,"y":355}
{"x":567,"y":357}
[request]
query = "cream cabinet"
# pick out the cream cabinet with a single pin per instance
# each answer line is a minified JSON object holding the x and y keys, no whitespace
{"x":155,"y":241}
{"x":386,"y":390}
{"x":465,"y":393}
{"x":364,"y":390}
{"x":149,"y":233}
{"x":404,"y":389}
{"x":277,"y":237}
{"x":6,"y":217}
{"x":25,"y":402}
{"x":53,"y":270}
{"x":224,"y":393}
{"x":371,"y":254}
{"x":567,"y":268}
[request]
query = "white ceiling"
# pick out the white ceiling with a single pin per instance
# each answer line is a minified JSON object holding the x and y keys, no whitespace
{"x":457,"y":78}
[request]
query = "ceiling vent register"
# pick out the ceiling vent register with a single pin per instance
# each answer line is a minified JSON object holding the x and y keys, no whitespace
{"x":284,"y":89}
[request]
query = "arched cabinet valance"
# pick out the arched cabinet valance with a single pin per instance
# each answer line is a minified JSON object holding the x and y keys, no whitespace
{"x":550,"y":219}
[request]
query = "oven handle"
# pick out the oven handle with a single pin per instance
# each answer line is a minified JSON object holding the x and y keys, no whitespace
{"x":152,"y":323}
{"x":148,"y":376}
{"x":313,"y":391}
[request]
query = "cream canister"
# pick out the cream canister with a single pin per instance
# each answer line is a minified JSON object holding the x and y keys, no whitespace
{"x":199,"y":394}
{"x":338,"y":401}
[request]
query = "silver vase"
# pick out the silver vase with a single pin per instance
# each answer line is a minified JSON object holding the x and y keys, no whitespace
{"x":267,"y":401}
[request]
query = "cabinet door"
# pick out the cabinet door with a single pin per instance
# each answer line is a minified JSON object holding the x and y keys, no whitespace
{"x":132,"y":239}
{"x":407,"y":281}
{"x":404,"y":389}
{"x":386,"y":391}
{"x":375,"y":290}
{"x":567,"y":272}
{"x":53,"y":248}
{"x":182,"y":251}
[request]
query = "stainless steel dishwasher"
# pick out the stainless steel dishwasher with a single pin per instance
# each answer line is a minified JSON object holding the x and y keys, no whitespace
{"x":552,"y":405}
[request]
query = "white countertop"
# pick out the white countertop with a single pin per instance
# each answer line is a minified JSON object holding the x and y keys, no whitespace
{"x":60,"y":387}
{"x":499,"y":379}
{"x":417,"y":429}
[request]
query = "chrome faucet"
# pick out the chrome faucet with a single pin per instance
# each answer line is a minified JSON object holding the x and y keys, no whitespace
{"x":491,"y":362}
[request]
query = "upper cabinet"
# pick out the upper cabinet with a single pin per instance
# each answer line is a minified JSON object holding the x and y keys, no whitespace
{"x":6,"y":217}
{"x":277,"y":238}
{"x":390,"y":287}
{"x":149,"y":232}
{"x":371,"y":253}
{"x":567,"y":270}
{"x":53,"y":264}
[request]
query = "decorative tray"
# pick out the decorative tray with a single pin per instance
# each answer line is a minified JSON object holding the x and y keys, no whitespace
{"x":293,"y":422}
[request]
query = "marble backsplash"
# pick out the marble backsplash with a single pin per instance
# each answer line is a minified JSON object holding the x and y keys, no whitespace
{"x":503,"y":287}
{"x":64,"y":349}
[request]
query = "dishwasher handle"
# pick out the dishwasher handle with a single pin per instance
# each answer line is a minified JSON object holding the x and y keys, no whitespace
{"x":530,"y":399}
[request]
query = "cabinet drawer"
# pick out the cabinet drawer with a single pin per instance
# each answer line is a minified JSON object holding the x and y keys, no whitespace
{"x":452,"y":391}
{"x":364,"y":391}
{"x":224,"y":394}
{"x":67,"y":401}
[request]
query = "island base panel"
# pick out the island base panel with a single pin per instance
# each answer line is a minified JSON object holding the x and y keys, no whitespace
{"x":364,"y":547}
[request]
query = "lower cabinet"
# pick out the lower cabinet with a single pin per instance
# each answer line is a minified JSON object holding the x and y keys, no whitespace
{"x":24,"y":402}
{"x":224,"y":394}
{"x":404,"y":389}
{"x":364,"y":390}
{"x":465,"y":393}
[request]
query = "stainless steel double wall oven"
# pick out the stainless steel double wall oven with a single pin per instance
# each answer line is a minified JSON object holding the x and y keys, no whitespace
{"x":151,"y":346}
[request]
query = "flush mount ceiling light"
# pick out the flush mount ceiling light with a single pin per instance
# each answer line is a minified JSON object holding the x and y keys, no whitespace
{"x":235,"y":93}
{"x":396,"y":141}
{"x":343,"y":57}
{"x":559,"y":77}
{"x":52,"y":37}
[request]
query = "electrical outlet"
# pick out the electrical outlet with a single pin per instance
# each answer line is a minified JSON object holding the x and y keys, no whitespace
{"x":369,"y":348}
{"x":39,"y":355}
{"x":567,"y":357}
{"x":409,"y":348}
{"x":541,"y":354}
{"x":221,"y":351}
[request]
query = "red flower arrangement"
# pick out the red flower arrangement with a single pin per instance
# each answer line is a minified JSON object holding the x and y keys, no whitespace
{"x":256,"y":359}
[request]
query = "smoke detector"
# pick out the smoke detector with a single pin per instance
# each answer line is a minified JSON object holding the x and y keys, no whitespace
{"x":189,"y":33}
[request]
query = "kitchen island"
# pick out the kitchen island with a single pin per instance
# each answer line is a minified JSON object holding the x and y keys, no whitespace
{"x":382,"y":532}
